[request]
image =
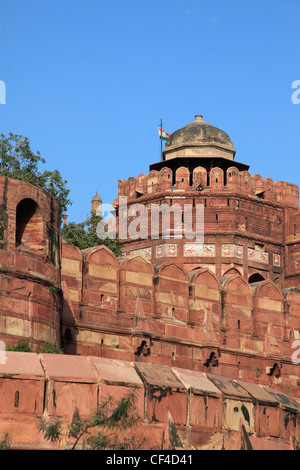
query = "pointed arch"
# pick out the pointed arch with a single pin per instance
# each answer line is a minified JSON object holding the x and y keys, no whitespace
{"x":231,"y":271}
{"x":101,"y":255}
{"x":255,"y":277}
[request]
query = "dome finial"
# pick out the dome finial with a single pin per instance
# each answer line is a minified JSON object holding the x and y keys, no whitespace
{"x":198,"y":118}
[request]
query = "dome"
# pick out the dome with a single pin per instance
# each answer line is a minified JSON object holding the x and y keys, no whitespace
{"x":96,"y":197}
{"x":198,"y":132}
{"x":199,"y":137}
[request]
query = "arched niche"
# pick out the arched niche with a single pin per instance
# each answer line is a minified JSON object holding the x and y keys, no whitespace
{"x":232,"y":177}
{"x":268,"y":185}
{"x":257,"y":185}
{"x":182,"y":177}
{"x":268,"y":309}
{"x":101,"y":278}
{"x":238,"y":304}
{"x":29,"y":225}
{"x":204,"y":297}
{"x":166,"y":178}
{"x":245,"y":181}
{"x":136,"y":286}
{"x":216,"y":178}
{"x":171,"y":292}
{"x":199,"y":178}
{"x":153,"y":181}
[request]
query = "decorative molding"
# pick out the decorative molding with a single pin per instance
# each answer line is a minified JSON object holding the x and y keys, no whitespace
{"x":232,"y":250}
{"x":258,"y":256}
{"x":168,"y":250}
{"x":199,"y":249}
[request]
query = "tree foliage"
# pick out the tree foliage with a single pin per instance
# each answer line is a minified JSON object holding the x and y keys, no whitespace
{"x":5,"y":442}
{"x":84,"y":235}
{"x":21,"y":345}
{"x":108,"y":427}
{"x":18,"y":161}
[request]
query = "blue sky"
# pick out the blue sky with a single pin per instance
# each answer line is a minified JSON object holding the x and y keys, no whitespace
{"x":88,"y":82}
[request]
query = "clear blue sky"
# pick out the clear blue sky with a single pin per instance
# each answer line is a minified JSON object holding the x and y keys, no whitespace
{"x":88,"y":82}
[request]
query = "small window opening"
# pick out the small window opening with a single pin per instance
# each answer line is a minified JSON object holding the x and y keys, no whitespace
{"x":29,"y":225}
{"x":256,"y":277}
{"x":17,"y":399}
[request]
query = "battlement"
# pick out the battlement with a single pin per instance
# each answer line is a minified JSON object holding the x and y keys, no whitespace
{"x":201,"y":181}
{"x":133,"y":310}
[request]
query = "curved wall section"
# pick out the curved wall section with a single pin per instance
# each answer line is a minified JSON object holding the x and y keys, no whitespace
{"x":29,"y":264}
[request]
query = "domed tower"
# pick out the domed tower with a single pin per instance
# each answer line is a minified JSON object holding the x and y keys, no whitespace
{"x":97,"y":204}
{"x":244,"y":215}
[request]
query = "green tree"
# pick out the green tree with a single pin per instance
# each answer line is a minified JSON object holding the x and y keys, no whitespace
{"x":108,"y":427}
{"x":18,"y":161}
{"x":84,"y":235}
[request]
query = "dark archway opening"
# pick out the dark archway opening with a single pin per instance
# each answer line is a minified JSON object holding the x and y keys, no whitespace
{"x":256,"y":277}
{"x":29,"y":225}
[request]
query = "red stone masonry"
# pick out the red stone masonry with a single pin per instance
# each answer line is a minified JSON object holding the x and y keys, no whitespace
{"x":209,"y":333}
{"x":30,"y":255}
{"x":178,"y":407}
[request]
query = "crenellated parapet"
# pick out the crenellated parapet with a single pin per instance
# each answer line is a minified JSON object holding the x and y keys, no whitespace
{"x":132,"y":309}
{"x":231,"y":180}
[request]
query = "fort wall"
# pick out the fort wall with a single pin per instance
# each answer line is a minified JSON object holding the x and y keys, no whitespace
{"x":177,"y":408}
{"x":30,"y":254}
{"x":133,"y":310}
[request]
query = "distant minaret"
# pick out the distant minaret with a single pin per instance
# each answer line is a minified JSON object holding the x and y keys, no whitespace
{"x":97,"y":204}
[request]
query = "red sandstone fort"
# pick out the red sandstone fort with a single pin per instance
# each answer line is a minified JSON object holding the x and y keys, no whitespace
{"x":215,"y":325}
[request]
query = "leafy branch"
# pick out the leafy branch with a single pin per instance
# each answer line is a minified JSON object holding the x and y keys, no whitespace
{"x":107,"y":427}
